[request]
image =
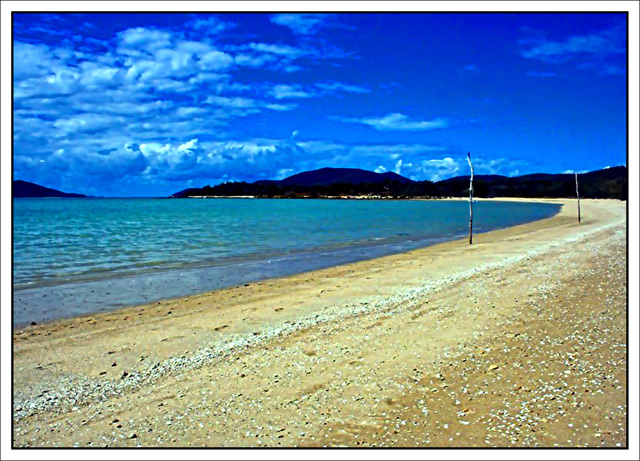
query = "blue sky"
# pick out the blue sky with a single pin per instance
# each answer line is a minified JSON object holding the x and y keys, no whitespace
{"x":146,"y":105}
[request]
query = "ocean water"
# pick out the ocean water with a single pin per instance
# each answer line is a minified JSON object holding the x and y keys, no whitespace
{"x":72,"y":247}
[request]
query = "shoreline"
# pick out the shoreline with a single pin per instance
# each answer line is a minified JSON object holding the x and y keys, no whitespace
{"x":108,"y":292}
{"x":335,"y":330}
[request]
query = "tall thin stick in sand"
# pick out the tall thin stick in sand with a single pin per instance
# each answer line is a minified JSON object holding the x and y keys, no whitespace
{"x":578,"y":195}
{"x":470,"y":200}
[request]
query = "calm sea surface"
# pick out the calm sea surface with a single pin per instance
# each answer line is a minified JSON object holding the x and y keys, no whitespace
{"x":57,"y":241}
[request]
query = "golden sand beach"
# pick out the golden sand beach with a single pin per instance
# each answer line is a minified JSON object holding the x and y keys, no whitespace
{"x":517,"y":340}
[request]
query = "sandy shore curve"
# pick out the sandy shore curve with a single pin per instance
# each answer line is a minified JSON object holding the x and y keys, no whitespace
{"x":517,"y":340}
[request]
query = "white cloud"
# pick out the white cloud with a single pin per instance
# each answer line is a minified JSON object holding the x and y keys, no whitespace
{"x":280,"y":107}
{"x":411,"y":160}
{"x":274,"y":56}
{"x":124,"y":91}
{"x":370,"y":151}
{"x":246,"y":103}
{"x":231,"y":102}
{"x":281,"y":50}
{"x":300,"y":23}
{"x":333,"y":87}
{"x":138,"y":39}
{"x":33,"y":60}
{"x":591,"y":51}
{"x":255,"y":61}
{"x":298,"y":91}
{"x":210,"y":25}
{"x":289,"y":92}
{"x":144,"y":105}
{"x":97,"y":75}
{"x":397,"y":122}
{"x":284,"y":173}
{"x":184,"y":112}
{"x":498,"y":165}
{"x":215,"y":60}
{"x":84,"y":123}
{"x":431,"y":169}
{"x":575,"y":171}
{"x":188,"y":146}
{"x":437,"y":169}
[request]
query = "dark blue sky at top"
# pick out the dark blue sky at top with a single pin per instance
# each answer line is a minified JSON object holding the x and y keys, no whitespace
{"x":130,"y":104}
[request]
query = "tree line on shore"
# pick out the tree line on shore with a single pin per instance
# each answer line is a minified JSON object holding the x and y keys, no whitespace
{"x":607,"y":183}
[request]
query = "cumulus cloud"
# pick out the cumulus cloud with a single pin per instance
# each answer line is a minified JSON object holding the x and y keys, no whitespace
{"x":138,"y":40}
{"x":169,"y":164}
{"x":429,"y":169}
{"x":396,"y":122}
{"x":106,"y":166}
{"x":153,"y":108}
{"x":79,"y":103}
{"x":436,"y":168}
{"x":180,"y":161}
{"x":33,"y":60}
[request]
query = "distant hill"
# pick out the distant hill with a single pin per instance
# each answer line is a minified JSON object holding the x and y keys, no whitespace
{"x":23,"y":189}
{"x":323,"y":177}
{"x":477,"y":177}
{"x":605,"y":183}
{"x":329,"y":176}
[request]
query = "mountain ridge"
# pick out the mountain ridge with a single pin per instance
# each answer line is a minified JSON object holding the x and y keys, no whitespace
{"x":328,"y":176}
{"x":26,"y":189}
{"x":332,"y":182}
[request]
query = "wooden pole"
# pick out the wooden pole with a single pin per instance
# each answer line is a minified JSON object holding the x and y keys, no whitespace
{"x":578,"y":196}
{"x":470,"y":200}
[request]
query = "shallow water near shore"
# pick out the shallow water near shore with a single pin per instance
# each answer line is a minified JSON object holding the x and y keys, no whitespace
{"x":80,"y":256}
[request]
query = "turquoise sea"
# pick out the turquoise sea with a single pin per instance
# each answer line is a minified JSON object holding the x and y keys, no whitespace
{"x":66,"y":243}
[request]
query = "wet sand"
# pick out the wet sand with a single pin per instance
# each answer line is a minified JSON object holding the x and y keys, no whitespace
{"x":517,"y":340}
